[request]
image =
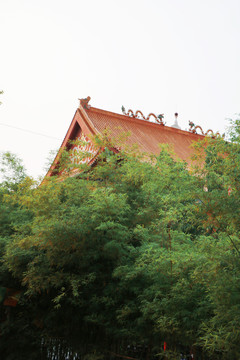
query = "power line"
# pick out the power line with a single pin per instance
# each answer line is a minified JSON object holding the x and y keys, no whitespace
{"x":30,"y":131}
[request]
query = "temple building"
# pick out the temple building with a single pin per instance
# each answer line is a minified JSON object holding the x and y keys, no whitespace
{"x":146,"y":132}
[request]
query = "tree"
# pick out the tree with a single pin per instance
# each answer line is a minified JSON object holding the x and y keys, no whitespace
{"x":85,"y":243}
{"x":128,"y":255}
{"x":13,"y":217}
{"x":219,"y":269}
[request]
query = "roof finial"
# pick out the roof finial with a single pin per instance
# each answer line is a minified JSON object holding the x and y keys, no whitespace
{"x":175,"y":125}
{"x":85,"y":102}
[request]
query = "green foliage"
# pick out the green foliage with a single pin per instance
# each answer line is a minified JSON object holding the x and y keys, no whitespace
{"x":1,"y":92}
{"x":130,"y":253}
{"x":12,"y":171}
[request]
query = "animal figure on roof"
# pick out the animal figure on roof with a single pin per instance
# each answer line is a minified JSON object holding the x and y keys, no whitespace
{"x":191,"y":126}
{"x":85,"y":102}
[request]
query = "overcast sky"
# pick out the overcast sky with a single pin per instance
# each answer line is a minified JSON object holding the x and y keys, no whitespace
{"x":161,"y":56}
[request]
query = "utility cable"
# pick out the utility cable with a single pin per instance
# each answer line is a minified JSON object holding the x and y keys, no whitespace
{"x":30,"y":131}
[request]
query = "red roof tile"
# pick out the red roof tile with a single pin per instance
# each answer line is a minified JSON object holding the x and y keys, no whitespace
{"x":147,"y":135}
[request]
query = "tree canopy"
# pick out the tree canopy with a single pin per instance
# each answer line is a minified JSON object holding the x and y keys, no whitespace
{"x":130,"y":258}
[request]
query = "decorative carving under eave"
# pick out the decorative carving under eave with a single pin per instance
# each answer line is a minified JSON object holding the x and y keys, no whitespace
{"x":193,"y":129}
{"x":82,"y":151}
{"x":85,"y":103}
{"x":139,"y":115}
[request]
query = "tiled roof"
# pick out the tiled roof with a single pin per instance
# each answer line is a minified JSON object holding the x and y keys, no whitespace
{"x":145,"y":134}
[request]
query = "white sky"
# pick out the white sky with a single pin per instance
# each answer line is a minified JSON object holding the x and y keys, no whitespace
{"x":158,"y":56}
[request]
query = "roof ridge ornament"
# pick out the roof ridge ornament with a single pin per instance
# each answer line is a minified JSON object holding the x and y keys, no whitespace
{"x":176,"y":125}
{"x":193,"y":129}
{"x":159,"y":118}
{"x":85,"y":103}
